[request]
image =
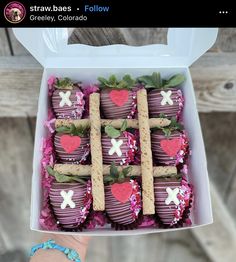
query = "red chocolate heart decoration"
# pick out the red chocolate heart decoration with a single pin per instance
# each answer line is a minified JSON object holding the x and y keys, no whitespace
{"x":171,"y":146}
{"x":70,"y":143}
{"x":119,"y":97}
{"x":122,"y":192}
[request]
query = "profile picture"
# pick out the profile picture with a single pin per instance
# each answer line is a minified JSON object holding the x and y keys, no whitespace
{"x":14,"y":12}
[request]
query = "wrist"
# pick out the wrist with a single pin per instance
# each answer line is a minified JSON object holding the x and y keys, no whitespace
{"x":78,"y":243}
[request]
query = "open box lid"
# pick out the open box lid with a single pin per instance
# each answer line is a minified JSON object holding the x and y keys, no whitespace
{"x":50,"y":47}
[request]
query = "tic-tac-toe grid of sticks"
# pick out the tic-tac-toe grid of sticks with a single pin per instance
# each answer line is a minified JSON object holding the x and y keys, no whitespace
{"x":97,"y":170}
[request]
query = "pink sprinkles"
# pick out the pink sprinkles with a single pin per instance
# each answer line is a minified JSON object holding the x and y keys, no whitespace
{"x":180,"y":99}
{"x":79,"y":105}
{"x":132,"y":144}
{"x":84,"y":211}
{"x":134,"y":105}
{"x":47,"y":220}
{"x":184,"y":196}
{"x":135,"y":199}
{"x":184,"y":150}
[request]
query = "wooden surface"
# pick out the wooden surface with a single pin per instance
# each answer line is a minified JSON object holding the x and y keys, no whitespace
{"x":19,"y":131}
{"x":4,"y":44}
{"x":16,"y":145}
{"x":214,"y":74}
{"x":214,"y":79}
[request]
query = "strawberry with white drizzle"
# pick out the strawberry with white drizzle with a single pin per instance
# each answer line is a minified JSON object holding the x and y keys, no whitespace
{"x":118,"y":98}
{"x":173,"y":197}
{"x":165,"y":96}
{"x":71,"y":199}
{"x":67,"y":99}
{"x":122,"y":198}
{"x":118,"y":145}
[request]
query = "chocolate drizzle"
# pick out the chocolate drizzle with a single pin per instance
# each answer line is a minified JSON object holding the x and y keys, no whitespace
{"x":106,"y":146}
{"x":155,"y":107}
{"x":165,"y":212}
{"x":159,"y":155}
{"x":123,"y":215}
{"x":68,"y":218}
{"x":110,"y":110}
{"x":172,"y":215}
{"x":68,"y":112}
{"x":80,"y":154}
{"x":118,"y":212}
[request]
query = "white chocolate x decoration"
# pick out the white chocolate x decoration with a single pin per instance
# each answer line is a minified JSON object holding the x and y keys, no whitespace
{"x":65,"y":98}
{"x":172,"y":196}
{"x":67,"y":199}
{"x":166,"y":98}
{"x":115,"y":147}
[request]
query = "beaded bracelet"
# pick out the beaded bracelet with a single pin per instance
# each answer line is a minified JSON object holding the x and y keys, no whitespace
{"x":71,"y":254}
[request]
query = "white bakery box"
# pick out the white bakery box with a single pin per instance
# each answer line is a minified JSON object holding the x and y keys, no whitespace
{"x":85,"y":63}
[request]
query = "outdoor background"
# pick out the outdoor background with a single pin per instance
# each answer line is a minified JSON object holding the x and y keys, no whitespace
{"x":214,"y":77}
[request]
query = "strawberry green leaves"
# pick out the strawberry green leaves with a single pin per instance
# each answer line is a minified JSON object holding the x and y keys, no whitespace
{"x":124,"y":126}
{"x":117,"y":176}
{"x":173,"y":126}
{"x":151,"y":81}
{"x":155,"y":81}
{"x":113,"y":132}
{"x":112,"y":82}
{"x":64,"y":83}
{"x":175,"y":80}
{"x":81,"y":131}
{"x":60,"y":178}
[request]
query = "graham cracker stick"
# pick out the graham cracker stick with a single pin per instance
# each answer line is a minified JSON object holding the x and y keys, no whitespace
{"x":68,"y":122}
{"x":96,"y":153}
{"x":164,"y":171}
{"x":85,"y":170}
{"x":146,"y":154}
{"x":73,"y":170}
{"x":153,"y":122}
{"x":116,"y":123}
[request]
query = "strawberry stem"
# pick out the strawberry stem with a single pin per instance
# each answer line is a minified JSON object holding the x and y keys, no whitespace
{"x":117,"y":176}
{"x":127,"y":82}
{"x":81,"y":131}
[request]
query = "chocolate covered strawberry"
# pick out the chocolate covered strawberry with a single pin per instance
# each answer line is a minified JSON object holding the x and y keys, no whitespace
{"x":173,"y":197}
{"x":67,"y":99}
{"x":118,"y":145}
{"x":70,"y":199}
{"x":122,"y":198}
{"x":170,"y":145}
{"x":165,"y":97}
{"x":71,"y":144}
{"x":118,"y":99}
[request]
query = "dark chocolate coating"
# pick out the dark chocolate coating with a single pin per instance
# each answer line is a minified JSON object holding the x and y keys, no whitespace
{"x":159,"y":155}
{"x":155,"y":107}
{"x":66,"y":112}
{"x":68,"y":217}
{"x":118,"y":212}
{"x":166,"y":213}
{"x":106,"y":145}
{"x":73,"y":157}
{"x":112,"y":111}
